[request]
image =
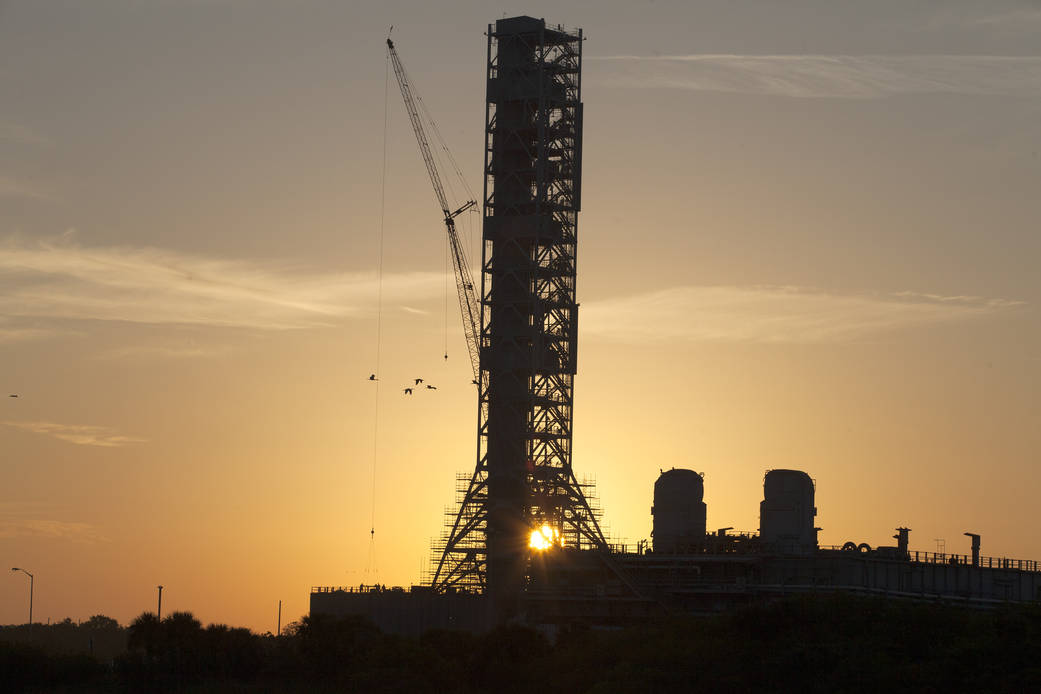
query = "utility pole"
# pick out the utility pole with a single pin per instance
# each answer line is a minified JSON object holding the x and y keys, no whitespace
{"x":159,"y":608}
{"x":31,"y":580}
{"x":278,"y":630}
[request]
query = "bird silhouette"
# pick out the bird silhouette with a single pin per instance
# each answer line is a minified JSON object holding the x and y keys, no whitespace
{"x":408,"y":391}
{"x":431,"y":387}
{"x":372,"y":377}
{"x":12,"y":396}
{"x":418,"y":381}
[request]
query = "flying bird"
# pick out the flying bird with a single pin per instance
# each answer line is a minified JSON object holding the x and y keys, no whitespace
{"x":431,"y":387}
{"x":418,"y":381}
{"x":12,"y":396}
{"x":372,"y":377}
{"x":408,"y":391}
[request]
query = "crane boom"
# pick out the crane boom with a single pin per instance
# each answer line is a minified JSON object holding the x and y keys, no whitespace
{"x":469,"y":305}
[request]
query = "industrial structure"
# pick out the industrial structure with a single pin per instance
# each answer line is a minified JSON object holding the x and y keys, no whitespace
{"x":523,"y":488}
{"x":687,"y":569}
{"x":524,"y":541}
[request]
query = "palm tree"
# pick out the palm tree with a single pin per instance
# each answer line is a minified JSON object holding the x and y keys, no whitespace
{"x":145,"y":633}
{"x":101,"y":623}
{"x":182,"y":629}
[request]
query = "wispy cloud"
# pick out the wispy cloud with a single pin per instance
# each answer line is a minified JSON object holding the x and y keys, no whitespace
{"x":79,"y":434}
{"x":1023,"y":18}
{"x":1016,"y":19}
{"x":12,"y":188}
{"x":55,"y":529}
{"x":167,"y":351}
{"x":152,"y":285}
{"x":772,"y":314}
{"x":20,"y":134}
{"x":827,"y":76}
{"x":11,"y":332}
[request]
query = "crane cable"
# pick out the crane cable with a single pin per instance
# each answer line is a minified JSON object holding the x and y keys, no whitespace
{"x":442,"y":146}
{"x":448,"y":274}
{"x":371,"y":568}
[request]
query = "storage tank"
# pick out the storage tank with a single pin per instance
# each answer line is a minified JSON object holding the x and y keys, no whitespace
{"x":787,"y":513}
{"x":678,"y":511}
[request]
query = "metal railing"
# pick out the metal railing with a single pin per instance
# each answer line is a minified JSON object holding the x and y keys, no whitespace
{"x":951,"y":559}
{"x":374,"y":588}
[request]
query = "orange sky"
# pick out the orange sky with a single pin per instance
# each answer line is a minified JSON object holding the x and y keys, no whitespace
{"x":808,"y":240}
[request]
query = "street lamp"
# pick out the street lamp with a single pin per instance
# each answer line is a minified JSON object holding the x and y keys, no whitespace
{"x":15,"y":568}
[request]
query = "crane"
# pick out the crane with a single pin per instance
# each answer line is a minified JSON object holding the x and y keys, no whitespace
{"x":469,"y":305}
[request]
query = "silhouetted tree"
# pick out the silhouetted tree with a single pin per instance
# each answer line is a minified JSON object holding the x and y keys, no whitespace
{"x":182,"y":629}
{"x":811,"y":644}
{"x":336,"y":647}
{"x":506,"y":659}
{"x":145,"y":633}
{"x":100,"y":622}
{"x":291,"y":628}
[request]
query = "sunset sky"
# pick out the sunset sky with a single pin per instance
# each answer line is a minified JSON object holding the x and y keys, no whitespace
{"x":810,"y":239}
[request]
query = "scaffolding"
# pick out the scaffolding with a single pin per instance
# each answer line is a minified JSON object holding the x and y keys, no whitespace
{"x":523,"y":478}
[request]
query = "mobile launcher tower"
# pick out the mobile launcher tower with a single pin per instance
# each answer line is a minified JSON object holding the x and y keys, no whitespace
{"x":523,"y":493}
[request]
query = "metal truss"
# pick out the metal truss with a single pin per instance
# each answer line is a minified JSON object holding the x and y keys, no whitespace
{"x":529,"y":319}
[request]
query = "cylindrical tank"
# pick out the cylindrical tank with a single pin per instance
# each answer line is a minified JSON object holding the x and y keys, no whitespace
{"x":678,"y":511}
{"x":787,"y":513}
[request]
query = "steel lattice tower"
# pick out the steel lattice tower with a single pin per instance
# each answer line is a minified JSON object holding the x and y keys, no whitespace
{"x":529,"y":324}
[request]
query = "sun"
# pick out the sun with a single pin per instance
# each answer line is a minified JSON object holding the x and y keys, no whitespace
{"x":545,"y":537}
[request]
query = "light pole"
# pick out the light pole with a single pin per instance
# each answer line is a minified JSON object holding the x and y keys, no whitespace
{"x":159,"y":608}
{"x":15,"y":568}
